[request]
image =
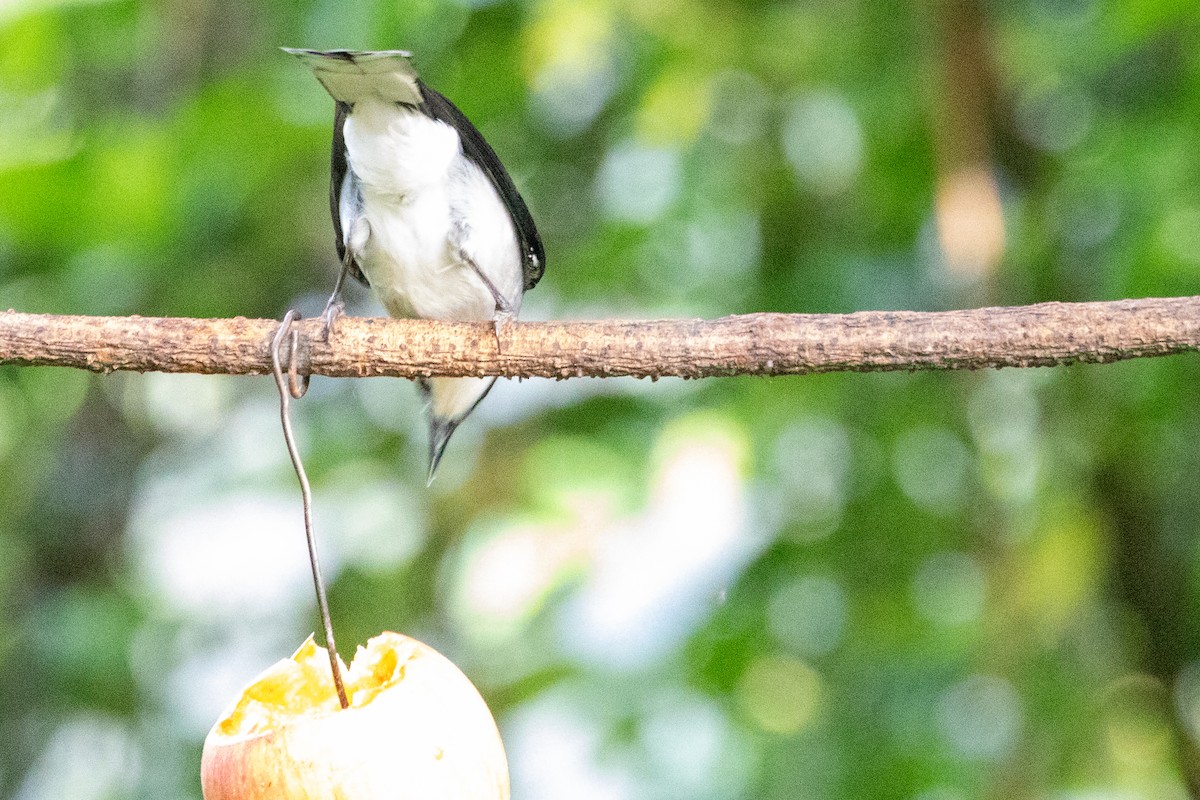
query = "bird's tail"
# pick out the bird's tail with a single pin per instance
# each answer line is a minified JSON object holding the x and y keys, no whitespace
{"x":451,"y":400}
{"x":353,"y":75}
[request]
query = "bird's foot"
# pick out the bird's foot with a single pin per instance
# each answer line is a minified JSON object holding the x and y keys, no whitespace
{"x":336,"y":305}
{"x":504,"y":323}
{"x":333,"y":309}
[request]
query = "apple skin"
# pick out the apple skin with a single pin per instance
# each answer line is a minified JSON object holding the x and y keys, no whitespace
{"x":427,"y":735}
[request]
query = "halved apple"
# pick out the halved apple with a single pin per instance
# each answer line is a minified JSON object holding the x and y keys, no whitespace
{"x":416,"y":729}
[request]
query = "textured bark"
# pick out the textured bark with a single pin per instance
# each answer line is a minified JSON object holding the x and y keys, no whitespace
{"x":754,"y":344}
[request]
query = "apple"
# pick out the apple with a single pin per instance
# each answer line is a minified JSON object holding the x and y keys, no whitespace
{"x":416,"y":728}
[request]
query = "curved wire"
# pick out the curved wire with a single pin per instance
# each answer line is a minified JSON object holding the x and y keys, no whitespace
{"x":292,"y":388}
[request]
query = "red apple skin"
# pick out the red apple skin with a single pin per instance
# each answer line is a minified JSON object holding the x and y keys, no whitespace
{"x":427,"y":736}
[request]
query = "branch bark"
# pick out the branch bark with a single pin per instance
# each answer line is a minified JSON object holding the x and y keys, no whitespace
{"x":1047,"y":334}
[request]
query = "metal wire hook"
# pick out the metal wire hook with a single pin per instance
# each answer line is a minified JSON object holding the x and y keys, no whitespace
{"x":297,"y":385}
{"x":291,"y":388}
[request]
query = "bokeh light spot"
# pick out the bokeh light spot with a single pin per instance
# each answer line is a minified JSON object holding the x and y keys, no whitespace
{"x":781,"y":694}
{"x":980,"y":718}
{"x":932,"y":466}
{"x":808,"y":615}
{"x":949,"y":588}
{"x":813,"y":458}
{"x":970,"y":221}
{"x":637,"y":183}
{"x":824,"y":142}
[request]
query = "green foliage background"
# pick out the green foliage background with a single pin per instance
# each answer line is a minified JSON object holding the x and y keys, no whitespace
{"x":932,"y":586}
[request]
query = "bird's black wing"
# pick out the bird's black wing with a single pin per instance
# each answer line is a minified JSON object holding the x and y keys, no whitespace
{"x":338,"y":168}
{"x":476,"y":148}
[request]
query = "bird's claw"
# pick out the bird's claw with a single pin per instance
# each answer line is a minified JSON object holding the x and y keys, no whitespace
{"x":329,"y":317}
{"x":503,"y":324}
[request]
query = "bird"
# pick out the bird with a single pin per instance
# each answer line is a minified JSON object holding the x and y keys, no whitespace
{"x":424,"y":212}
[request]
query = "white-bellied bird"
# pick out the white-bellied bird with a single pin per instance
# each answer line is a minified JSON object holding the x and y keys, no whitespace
{"x":423,"y":211}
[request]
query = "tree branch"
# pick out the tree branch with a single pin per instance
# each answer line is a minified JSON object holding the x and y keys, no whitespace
{"x":754,"y":344}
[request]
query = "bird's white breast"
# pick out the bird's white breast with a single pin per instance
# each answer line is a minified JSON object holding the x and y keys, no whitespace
{"x":421,"y":197}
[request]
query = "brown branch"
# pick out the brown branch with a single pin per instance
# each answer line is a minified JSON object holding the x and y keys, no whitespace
{"x":755,"y":344}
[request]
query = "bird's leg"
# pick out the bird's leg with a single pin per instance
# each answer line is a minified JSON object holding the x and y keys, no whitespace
{"x":360,"y":232}
{"x":336,"y":305}
{"x":506,"y":314}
